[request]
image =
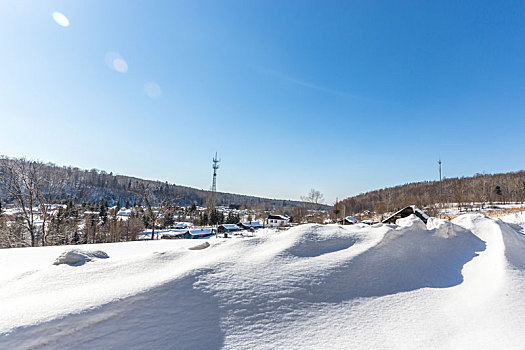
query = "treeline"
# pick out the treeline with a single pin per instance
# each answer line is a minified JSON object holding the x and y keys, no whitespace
{"x":481,"y":188}
{"x":42,"y":204}
{"x":95,"y":185}
{"x":70,"y":223}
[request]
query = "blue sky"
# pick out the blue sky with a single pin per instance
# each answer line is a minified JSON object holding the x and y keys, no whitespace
{"x":341,"y":96}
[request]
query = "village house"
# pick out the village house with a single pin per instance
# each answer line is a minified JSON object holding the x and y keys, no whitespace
{"x":174,"y":234}
{"x":199,"y":233}
{"x":228,"y":228}
{"x":278,"y":220}
{"x":349,"y":220}
{"x":250,"y":225}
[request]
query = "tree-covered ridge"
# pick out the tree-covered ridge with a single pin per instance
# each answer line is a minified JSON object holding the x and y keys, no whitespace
{"x":94,"y":185}
{"x":480,"y":188}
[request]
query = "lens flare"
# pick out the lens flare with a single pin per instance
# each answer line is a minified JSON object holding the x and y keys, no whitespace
{"x":60,"y":19}
{"x":120,"y":65}
{"x":152,"y":90}
{"x":116,"y":62}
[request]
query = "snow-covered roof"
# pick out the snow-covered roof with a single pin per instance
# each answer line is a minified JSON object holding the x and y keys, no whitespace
{"x":174,"y":233}
{"x":252,"y":224}
{"x":349,"y":219}
{"x":200,"y":231}
{"x":278,"y":217}
{"x":230,"y":226}
{"x":124,"y":211}
{"x":182,"y":224}
{"x":416,"y":209}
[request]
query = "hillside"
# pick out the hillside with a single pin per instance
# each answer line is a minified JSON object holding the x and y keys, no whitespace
{"x":480,"y":188}
{"x":95,"y":185}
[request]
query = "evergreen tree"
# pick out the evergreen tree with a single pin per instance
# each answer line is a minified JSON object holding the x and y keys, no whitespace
{"x":103,"y":213}
{"x":204,"y":219}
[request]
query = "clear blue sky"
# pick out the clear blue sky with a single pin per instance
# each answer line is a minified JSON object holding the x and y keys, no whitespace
{"x":341,"y":96}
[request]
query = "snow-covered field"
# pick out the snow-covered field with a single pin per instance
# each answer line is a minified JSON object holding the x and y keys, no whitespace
{"x":446,"y":285}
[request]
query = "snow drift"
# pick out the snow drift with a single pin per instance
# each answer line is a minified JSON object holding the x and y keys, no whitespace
{"x":79,"y":257}
{"x":446,"y":284}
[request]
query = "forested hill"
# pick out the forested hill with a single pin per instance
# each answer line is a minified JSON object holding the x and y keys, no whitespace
{"x":95,"y":185}
{"x":484,"y":188}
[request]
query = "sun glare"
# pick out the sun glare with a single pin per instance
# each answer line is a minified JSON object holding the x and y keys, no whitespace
{"x":60,"y":19}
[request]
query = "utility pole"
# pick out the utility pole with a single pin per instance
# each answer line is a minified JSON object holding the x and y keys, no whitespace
{"x":440,"y":182}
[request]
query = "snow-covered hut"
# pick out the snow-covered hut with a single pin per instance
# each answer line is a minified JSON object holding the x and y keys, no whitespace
{"x":349,"y":220}
{"x":174,"y":234}
{"x":403,"y":213}
{"x":228,"y":228}
{"x":250,"y":225}
{"x":199,"y":233}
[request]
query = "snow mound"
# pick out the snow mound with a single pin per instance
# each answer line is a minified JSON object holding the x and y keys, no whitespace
{"x":506,"y":231}
{"x":79,"y":257}
{"x":413,"y":222}
{"x":443,"y":228}
{"x":200,"y":246}
{"x":316,"y":240}
{"x":407,"y":286}
{"x":514,"y":240}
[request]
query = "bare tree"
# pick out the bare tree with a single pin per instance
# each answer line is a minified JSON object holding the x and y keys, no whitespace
{"x":50,"y":186}
{"x":314,"y":198}
{"x":19,"y":181}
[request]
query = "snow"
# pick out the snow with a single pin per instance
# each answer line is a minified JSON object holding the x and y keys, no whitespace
{"x":200,"y":246}
{"x":201,"y":231}
{"x":444,"y":285}
{"x":230,"y":226}
{"x":253,"y":224}
{"x":79,"y":257}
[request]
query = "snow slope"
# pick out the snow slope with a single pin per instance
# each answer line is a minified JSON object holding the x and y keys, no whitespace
{"x":446,"y":285}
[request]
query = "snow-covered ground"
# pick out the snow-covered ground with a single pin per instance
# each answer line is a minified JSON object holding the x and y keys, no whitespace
{"x":454,"y":209}
{"x":446,"y":285}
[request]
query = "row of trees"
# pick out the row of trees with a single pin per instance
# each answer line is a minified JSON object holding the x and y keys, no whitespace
{"x":482,"y":189}
{"x":93,"y":185}
{"x":34,"y":189}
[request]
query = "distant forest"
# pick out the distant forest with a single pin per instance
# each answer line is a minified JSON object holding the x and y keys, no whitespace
{"x":95,"y":185}
{"x":480,"y":188}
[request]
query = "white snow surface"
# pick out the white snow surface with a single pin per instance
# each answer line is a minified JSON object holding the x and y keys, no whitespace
{"x":444,"y":285}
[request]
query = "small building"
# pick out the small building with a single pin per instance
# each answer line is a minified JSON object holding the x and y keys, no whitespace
{"x":228,"y":228}
{"x":182,"y":225}
{"x":250,"y":225}
{"x":349,"y":220}
{"x":124,"y":212}
{"x":174,"y":234}
{"x":403,"y":213}
{"x":278,"y":220}
{"x":199,"y":233}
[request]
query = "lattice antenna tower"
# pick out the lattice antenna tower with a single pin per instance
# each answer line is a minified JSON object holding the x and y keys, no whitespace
{"x":212,"y":197}
{"x":216,"y":162}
